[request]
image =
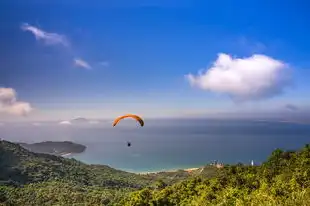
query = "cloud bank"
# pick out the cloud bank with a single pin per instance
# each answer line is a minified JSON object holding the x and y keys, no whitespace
{"x":48,"y":38}
{"x":244,"y":79}
{"x":9,"y":103}
{"x":81,"y":63}
{"x":65,"y":123}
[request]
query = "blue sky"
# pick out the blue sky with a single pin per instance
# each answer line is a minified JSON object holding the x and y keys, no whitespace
{"x":138,"y":56}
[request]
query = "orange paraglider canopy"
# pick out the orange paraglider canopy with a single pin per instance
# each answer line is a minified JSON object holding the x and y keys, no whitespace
{"x":136,"y":117}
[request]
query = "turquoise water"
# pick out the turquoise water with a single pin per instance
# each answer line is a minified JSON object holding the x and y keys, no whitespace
{"x":171,"y":144}
{"x":185,"y":144}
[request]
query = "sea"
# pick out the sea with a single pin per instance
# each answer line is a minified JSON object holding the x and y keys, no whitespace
{"x":167,"y":144}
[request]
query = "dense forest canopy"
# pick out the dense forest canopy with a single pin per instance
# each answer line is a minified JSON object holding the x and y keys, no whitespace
{"x":29,"y":178}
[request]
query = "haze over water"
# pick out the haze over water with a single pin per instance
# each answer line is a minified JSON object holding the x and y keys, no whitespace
{"x":168,"y":144}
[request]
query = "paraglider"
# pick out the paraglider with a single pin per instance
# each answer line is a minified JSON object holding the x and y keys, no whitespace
{"x":136,"y":117}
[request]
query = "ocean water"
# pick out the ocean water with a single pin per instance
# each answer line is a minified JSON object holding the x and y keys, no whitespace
{"x":169,"y":144}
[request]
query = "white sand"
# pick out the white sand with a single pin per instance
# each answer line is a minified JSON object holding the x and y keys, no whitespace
{"x":173,"y":170}
{"x":66,"y":154}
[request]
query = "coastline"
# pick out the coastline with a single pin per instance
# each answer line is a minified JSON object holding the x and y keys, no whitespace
{"x":185,"y":169}
{"x":71,"y":154}
{"x":66,"y":154}
{"x":189,"y":170}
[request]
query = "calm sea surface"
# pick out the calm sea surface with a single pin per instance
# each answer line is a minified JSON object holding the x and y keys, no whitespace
{"x":168,"y":144}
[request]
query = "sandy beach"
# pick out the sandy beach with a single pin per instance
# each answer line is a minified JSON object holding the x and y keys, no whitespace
{"x":192,"y":169}
{"x":66,"y":154}
{"x":173,"y":170}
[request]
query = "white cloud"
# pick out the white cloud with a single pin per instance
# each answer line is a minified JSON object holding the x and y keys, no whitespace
{"x":56,"y":39}
{"x":81,"y":63}
{"x":65,"y":123}
{"x":252,"y":78}
{"x":48,"y":38}
{"x":9,"y":103}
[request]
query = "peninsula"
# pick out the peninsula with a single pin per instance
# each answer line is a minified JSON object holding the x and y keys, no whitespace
{"x":55,"y":148}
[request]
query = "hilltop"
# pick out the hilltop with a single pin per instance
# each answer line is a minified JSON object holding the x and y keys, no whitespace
{"x":29,"y":178}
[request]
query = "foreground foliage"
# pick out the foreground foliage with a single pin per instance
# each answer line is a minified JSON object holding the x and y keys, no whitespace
{"x":283,"y":180}
{"x":37,"y":179}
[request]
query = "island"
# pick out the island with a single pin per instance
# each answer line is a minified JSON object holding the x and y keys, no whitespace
{"x":55,"y":148}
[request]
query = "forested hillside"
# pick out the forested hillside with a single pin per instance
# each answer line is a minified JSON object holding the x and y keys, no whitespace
{"x":39,"y":179}
{"x":20,"y":166}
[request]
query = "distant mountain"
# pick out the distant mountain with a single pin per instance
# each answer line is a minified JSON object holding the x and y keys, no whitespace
{"x":54,"y":148}
{"x":79,"y":120}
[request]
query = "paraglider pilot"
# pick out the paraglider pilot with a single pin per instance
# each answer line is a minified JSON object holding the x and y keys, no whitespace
{"x":139,"y":119}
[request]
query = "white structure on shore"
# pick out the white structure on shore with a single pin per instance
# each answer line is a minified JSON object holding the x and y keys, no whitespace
{"x":252,"y":163}
{"x":217,"y":164}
